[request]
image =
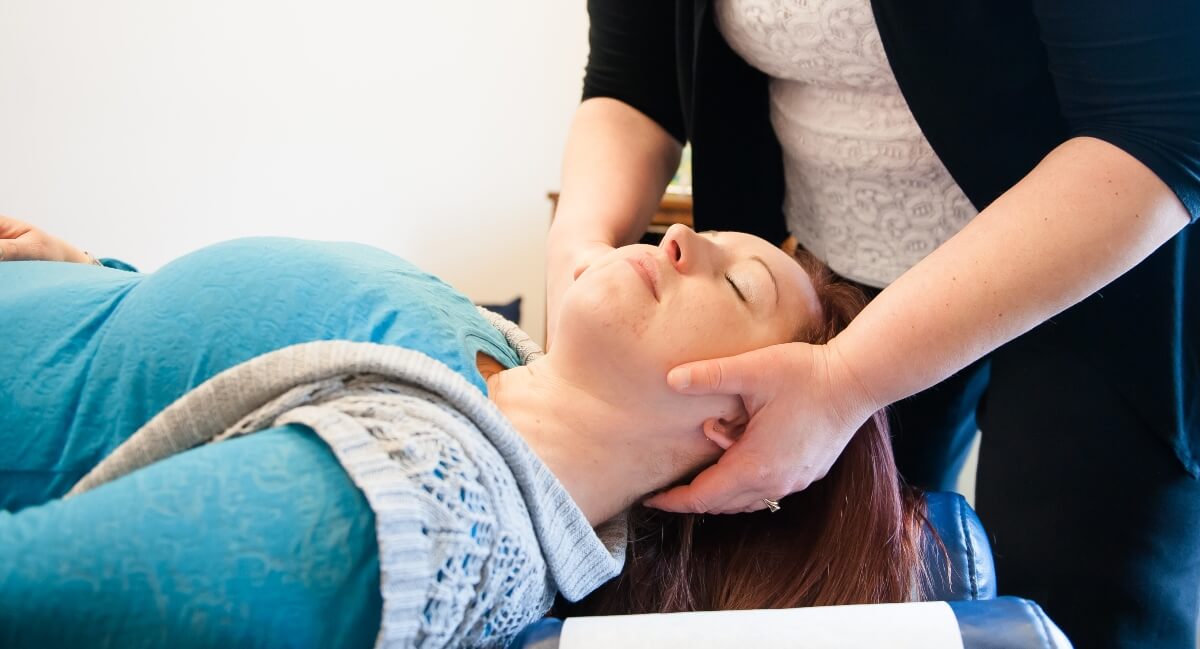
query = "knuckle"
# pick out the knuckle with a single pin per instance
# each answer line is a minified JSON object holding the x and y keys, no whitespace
{"x":809,"y":478}
{"x":784,"y":487}
{"x":716,"y":374}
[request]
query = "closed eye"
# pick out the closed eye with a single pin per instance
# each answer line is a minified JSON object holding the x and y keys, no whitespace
{"x":737,"y":290}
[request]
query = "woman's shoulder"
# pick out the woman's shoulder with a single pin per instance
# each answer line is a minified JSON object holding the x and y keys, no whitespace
{"x":324,"y":272}
{"x":281,"y":291}
{"x":266,"y":253}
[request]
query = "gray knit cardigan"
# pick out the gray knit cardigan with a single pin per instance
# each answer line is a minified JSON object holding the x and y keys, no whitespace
{"x":475,"y":534}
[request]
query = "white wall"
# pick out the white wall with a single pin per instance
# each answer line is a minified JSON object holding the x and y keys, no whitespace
{"x":143,"y":129}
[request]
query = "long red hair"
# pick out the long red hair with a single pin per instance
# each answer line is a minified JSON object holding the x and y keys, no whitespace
{"x":854,"y":537}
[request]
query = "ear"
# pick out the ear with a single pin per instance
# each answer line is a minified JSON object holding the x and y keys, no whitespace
{"x":725,"y":431}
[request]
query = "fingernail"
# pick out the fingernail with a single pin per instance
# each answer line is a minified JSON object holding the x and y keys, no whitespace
{"x":680,"y":378}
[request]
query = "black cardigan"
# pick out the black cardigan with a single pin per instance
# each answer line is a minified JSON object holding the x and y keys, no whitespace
{"x":995,"y":85}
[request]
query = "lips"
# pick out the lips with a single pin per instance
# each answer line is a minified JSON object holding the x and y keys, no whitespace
{"x":648,"y":270}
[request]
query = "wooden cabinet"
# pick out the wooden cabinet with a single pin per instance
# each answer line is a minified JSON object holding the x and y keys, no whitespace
{"x":674,"y":208}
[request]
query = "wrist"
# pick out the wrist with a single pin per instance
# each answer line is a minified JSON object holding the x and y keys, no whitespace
{"x":567,"y":247}
{"x":856,"y":399}
{"x":566,"y":237}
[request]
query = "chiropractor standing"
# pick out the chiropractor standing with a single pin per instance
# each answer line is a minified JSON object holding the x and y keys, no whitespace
{"x":1012,"y":182}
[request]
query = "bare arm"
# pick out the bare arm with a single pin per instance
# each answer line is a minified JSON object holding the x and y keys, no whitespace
{"x":1083,"y":217}
{"x":616,"y":166}
{"x":1096,"y":206}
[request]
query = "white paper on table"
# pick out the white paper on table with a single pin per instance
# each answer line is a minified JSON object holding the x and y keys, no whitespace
{"x":919,"y":625}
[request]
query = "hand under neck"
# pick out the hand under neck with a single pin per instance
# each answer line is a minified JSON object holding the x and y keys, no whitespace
{"x":599,"y":449}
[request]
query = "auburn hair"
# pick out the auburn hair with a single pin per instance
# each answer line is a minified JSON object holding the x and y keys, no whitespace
{"x":854,"y":537}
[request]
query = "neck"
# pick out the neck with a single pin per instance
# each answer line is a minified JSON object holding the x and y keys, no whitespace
{"x":591,"y":442}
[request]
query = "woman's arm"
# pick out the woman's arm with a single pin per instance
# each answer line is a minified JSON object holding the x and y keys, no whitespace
{"x":617,"y":163}
{"x":1083,"y":217}
{"x":624,"y":143}
{"x":1128,"y":85}
{"x":1125,"y":182}
{"x":242,"y":543}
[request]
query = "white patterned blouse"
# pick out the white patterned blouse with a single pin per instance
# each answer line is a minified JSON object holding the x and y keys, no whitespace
{"x":865,"y":191}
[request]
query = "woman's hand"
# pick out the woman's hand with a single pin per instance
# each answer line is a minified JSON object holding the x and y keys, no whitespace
{"x":20,"y":241}
{"x":804,"y":405}
{"x":564,"y":263}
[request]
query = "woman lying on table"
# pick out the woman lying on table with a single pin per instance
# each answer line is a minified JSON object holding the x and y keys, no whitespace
{"x":392,"y":466}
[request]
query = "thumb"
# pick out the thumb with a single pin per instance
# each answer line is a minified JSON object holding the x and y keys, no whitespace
{"x":729,"y":375}
{"x":11,"y":228}
{"x":707,"y":493}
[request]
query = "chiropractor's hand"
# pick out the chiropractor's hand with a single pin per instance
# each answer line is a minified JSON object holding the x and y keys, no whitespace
{"x":804,"y":407}
{"x":564,"y":263}
{"x":20,"y":241}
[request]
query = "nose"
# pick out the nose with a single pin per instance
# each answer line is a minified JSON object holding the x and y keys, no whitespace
{"x":684,"y":248}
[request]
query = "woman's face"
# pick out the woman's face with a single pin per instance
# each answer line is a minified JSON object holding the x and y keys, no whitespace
{"x":641,"y":310}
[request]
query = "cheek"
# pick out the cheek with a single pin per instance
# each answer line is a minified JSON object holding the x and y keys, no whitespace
{"x":699,"y":328}
{"x":603,"y":308}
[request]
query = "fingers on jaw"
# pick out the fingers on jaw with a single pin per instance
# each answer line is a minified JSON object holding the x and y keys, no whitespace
{"x":698,"y":506}
{"x":691,"y":505}
{"x":668,"y":502}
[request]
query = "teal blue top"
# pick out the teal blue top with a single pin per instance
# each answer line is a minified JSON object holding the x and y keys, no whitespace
{"x":93,"y":353}
{"x":260,"y":541}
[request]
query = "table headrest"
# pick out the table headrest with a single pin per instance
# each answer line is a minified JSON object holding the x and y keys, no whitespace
{"x":964,"y":570}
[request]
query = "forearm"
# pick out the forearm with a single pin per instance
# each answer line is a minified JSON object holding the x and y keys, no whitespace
{"x":616,"y":166}
{"x":1083,"y":217}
